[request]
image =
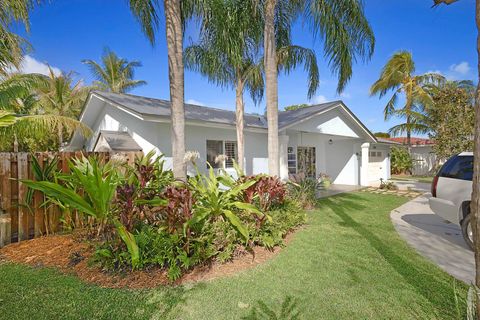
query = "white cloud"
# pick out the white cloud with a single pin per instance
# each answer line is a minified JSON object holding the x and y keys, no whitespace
{"x":32,"y":65}
{"x":345,"y":95}
{"x":320,"y":99}
{"x":195,"y":102}
{"x":462,"y":68}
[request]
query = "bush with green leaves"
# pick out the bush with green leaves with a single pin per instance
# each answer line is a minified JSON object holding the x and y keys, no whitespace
{"x":304,"y":191}
{"x":400,"y":160}
{"x":143,"y":218}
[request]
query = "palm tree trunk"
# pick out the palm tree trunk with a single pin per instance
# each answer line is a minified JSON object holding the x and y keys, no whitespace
{"x":271,"y":82}
{"x":60,"y":136}
{"x":239,"y":107}
{"x":174,"y":33}
{"x":475,"y":204}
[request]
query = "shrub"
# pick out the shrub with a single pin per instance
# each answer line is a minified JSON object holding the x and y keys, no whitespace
{"x":304,"y":191}
{"x":268,"y":191}
{"x":400,"y":160}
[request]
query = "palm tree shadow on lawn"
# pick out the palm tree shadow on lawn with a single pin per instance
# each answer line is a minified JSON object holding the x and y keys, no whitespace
{"x":417,"y":275}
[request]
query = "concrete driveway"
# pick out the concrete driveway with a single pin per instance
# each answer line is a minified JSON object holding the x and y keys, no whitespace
{"x":434,"y":238}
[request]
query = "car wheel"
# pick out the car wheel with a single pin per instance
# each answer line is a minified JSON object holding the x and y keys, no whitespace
{"x":467,"y":231}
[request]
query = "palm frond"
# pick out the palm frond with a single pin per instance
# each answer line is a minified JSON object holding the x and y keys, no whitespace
{"x":289,"y":57}
{"x":346,"y":33}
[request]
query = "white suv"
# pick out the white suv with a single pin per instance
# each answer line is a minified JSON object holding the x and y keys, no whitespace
{"x":452,"y":191}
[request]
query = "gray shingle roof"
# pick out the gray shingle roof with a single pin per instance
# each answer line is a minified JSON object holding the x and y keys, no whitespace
{"x":158,"y":107}
{"x":161,"y":108}
{"x":120,"y":141}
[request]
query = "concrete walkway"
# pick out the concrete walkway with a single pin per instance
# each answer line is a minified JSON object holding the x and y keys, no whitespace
{"x":434,"y":238}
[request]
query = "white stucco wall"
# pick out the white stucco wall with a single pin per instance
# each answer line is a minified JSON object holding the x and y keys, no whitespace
{"x":156,"y":136}
{"x":424,"y":159}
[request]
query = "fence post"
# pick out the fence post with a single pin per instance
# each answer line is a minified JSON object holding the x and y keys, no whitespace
{"x":5,"y":200}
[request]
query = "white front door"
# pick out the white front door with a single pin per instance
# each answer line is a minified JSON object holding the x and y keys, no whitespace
{"x":375,"y":165}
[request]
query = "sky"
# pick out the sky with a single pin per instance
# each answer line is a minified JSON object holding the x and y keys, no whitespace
{"x":441,"y":39}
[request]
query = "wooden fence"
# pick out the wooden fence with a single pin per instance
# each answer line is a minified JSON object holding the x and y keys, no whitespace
{"x":19,"y":221}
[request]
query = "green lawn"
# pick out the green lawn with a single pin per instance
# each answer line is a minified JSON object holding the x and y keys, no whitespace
{"x":426,"y":179}
{"x":348,"y":263}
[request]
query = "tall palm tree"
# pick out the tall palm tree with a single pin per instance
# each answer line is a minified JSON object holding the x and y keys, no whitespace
{"x":347,"y":36}
{"x":114,"y":74}
{"x":177,"y":13}
{"x":229,"y":60}
{"x":62,"y":97}
{"x":398,"y":75}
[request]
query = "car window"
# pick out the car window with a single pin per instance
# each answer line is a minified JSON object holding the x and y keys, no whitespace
{"x":458,"y":167}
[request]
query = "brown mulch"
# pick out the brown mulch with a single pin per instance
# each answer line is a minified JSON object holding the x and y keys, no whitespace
{"x":71,"y":256}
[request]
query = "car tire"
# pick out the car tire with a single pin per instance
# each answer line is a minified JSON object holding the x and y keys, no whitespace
{"x":466,"y":230}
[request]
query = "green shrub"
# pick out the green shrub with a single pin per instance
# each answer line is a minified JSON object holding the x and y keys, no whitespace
{"x":304,"y":191}
{"x":400,"y":160}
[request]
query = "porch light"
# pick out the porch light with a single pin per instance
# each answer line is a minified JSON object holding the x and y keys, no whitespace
{"x":330,"y":141}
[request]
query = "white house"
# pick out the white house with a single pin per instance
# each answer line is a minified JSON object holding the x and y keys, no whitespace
{"x":324,"y":138}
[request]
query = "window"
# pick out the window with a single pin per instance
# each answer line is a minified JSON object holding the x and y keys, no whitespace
{"x":219,"y":147}
{"x":231,"y":153}
{"x":292,"y":160}
{"x":376,"y":154}
{"x":458,"y":167}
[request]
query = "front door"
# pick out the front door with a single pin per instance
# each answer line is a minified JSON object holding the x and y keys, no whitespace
{"x":306,"y":161}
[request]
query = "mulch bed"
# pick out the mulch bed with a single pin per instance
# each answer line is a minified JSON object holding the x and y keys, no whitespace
{"x":71,"y":256}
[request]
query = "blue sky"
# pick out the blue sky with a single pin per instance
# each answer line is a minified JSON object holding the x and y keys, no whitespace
{"x":441,"y":39}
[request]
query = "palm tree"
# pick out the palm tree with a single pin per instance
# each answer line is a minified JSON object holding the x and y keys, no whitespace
{"x":114,"y":74}
{"x":63,"y":98}
{"x":347,"y":36}
{"x":176,"y":14}
{"x":19,"y":105}
{"x":230,"y":60}
{"x":12,"y":46}
{"x":397,"y":75}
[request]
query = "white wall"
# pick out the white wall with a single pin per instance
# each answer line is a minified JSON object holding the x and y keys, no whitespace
{"x":424,"y":159}
{"x":338,"y":159}
{"x":156,"y":136}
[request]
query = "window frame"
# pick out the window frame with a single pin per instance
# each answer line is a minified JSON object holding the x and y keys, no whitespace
{"x":226,"y":164}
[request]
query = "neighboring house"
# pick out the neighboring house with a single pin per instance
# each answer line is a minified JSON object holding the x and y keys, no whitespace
{"x":325,"y":138}
{"x":425,"y":159}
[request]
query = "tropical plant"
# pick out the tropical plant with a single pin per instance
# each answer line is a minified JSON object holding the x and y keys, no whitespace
{"x":230,"y":60}
{"x":44,"y":170}
{"x":114,"y":74}
{"x":177,"y":12}
{"x":400,"y":160}
{"x":347,"y":36}
{"x":12,"y":46}
{"x":90,"y":188}
{"x":19,"y":95}
{"x":62,"y":97}
{"x":7,"y":118}
{"x":213,"y":200}
{"x":304,"y":191}
{"x":397,"y":75}
{"x":451,"y":117}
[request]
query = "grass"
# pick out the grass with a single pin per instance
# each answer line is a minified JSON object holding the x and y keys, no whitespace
{"x":348,"y":263}
{"x":425,"y":179}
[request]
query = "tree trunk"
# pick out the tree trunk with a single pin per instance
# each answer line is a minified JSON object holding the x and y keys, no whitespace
{"x":174,"y":32}
{"x":475,"y":204}
{"x":60,"y":136}
{"x":239,"y":107}
{"x":271,"y":82}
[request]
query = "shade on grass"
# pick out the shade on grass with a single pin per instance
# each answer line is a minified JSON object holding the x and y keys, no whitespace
{"x":347,"y":263}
